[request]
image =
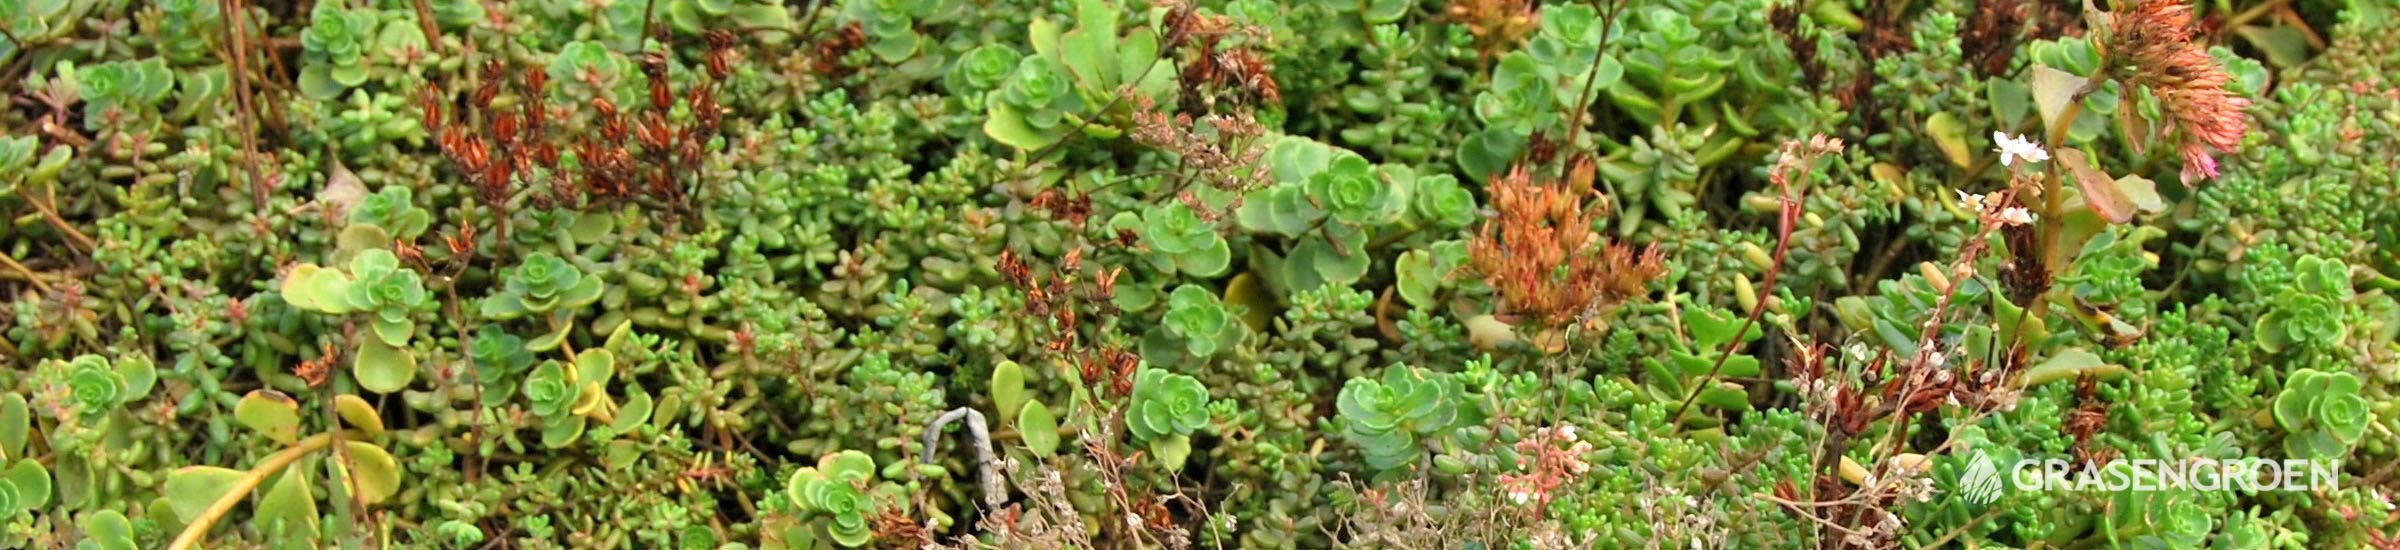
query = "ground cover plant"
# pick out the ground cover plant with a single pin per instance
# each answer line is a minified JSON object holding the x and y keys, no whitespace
{"x":1195,"y":273}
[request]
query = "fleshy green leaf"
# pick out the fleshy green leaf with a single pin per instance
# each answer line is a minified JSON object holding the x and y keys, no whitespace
{"x":1008,"y":385}
{"x":382,"y":368}
{"x":1038,"y":428}
{"x":378,"y":475}
{"x":271,"y":413}
{"x":191,"y":489}
{"x":289,"y":508}
{"x":361,"y":416}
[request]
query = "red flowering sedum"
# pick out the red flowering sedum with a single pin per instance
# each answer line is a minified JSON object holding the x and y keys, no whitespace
{"x":2153,"y":43}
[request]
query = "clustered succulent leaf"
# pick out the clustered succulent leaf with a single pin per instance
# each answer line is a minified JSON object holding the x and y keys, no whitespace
{"x":542,"y":284}
{"x":1050,"y":274}
{"x":839,"y":488}
{"x":96,"y":385}
{"x":2322,"y":413}
{"x":1390,"y":420}
{"x":335,"y":44}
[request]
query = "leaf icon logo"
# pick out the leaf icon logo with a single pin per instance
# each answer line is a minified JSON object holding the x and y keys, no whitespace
{"x":1981,"y":483}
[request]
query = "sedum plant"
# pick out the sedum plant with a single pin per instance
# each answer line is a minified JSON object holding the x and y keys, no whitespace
{"x":2322,"y":413}
{"x":1163,"y":413}
{"x":375,"y":284}
{"x":1071,"y":83}
{"x":1393,"y":420}
{"x":336,"y":44}
{"x":1240,"y":273}
{"x":842,"y":492}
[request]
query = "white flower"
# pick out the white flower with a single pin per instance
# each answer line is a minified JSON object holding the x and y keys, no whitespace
{"x":1520,"y":496}
{"x":1973,"y":202}
{"x":1567,"y":431}
{"x":2016,"y":215}
{"x":2012,"y":147}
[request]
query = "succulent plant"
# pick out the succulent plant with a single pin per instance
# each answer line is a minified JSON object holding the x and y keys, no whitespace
{"x":1179,"y":240}
{"x":1165,"y":410}
{"x":97,"y":385}
{"x":24,"y":487}
{"x":120,"y":86}
{"x":840,"y":488}
{"x":541,"y":284}
{"x":1391,"y":419}
{"x":1353,"y":192}
{"x":1197,"y":325}
{"x":1078,"y":69}
{"x":335,"y":45}
{"x":1038,"y":105}
{"x":393,"y":210}
{"x":2322,"y":413}
{"x":2311,"y":314}
{"x":983,"y":69}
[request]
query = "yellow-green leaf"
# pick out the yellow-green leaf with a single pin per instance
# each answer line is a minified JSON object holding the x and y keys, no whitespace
{"x":1038,"y":428}
{"x":16,"y":421}
{"x":1951,"y":136}
{"x":378,"y":475}
{"x":288,"y":511}
{"x":1008,"y":385}
{"x":358,"y":414}
{"x":2053,"y":89}
{"x":382,"y":368}
{"x":271,"y":413}
{"x":191,"y":489}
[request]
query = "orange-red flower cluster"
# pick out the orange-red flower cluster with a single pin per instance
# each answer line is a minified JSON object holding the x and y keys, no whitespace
{"x":2153,"y":41}
{"x":1544,"y":260}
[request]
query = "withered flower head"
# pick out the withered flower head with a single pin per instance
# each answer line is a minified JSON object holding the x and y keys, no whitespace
{"x":1541,"y":255}
{"x":2153,"y":44}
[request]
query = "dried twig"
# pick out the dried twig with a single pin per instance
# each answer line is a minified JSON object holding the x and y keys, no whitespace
{"x":994,"y":494}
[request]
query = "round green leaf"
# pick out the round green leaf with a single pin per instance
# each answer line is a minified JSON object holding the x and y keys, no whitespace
{"x":358,"y":414}
{"x":1008,"y":385}
{"x":1038,"y":428}
{"x":381,"y":368}
{"x":271,"y":413}
{"x":378,"y":475}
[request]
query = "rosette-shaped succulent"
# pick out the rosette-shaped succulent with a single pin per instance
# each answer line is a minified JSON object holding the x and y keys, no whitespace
{"x":24,"y":487}
{"x":336,"y":44}
{"x":1165,"y":409}
{"x":1042,"y":92}
{"x":1179,"y":240}
{"x":2309,"y":315}
{"x":1201,"y":321}
{"x":1387,"y":419}
{"x":544,"y":283}
{"x":982,"y":69}
{"x":97,"y":386}
{"x":392,"y":210}
{"x":837,"y":488}
{"x":388,"y":291}
{"x":588,"y":66}
{"x":93,"y":384}
{"x":1034,"y":105}
{"x":122,"y":85}
{"x":1523,"y":96}
{"x":499,"y":356}
{"x":1352,"y":192}
{"x":1441,"y":201}
{"x":1166,"y":405}
{"x":550,"y":390}
{"x":2323,"y":413}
